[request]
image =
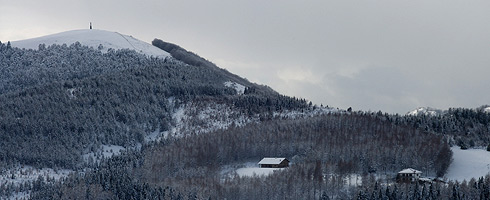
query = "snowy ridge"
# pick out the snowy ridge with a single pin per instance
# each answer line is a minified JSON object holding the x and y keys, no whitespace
{"x":436,"y":112}
{"x":94,"y":38}
{"x":425,"y":111}
{"x":301,"y":114}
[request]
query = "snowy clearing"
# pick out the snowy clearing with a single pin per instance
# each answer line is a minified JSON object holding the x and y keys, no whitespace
{"x":256,"y":171}
{"x":467,"y":164}
{"x":247,"y":169}
{"x":94,"y":38}
{"x":240,"y":89}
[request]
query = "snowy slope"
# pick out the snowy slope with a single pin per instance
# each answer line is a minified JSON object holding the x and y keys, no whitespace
{"x":467,"y":164}
{"x":93,"y":38}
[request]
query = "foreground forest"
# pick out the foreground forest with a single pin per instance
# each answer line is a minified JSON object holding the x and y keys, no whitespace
{"x":324,"y":149}
{"x":60,"y":102}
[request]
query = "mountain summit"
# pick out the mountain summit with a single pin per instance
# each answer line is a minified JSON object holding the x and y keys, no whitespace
{"x":98,"y":39}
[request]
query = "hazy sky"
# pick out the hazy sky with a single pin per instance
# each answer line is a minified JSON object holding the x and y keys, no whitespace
{"x":389,"y":55}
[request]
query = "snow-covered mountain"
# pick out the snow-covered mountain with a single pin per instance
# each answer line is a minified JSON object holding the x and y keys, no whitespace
{"x":94,"y":38}
{"x":425,"y":111}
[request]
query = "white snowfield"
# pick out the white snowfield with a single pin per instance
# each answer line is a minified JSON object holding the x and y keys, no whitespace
{"x":94,"y":38}
{"x":467,"y":164}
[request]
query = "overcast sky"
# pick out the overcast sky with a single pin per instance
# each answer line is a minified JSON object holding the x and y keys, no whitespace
{"x":389,"y":55}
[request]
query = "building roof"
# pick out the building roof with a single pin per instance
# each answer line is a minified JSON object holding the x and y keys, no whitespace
{"x":271,"y":161}
{"x":410,"y":171}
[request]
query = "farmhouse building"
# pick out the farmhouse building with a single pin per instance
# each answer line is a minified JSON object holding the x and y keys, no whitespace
{"x":274,"y":163}
{"x":409,"y":175}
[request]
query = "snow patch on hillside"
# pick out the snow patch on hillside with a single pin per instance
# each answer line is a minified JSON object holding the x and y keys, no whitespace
{"x":72,"y":92}
{"x":20,"y":195}
{"x":240,"y":89}
{"x":201,"y":117}
{"x":153,"y":136}
{"x":94,"y":38}
{"x":467,"y":164}
{"x":106,"y":151}
{"x":22,"y":174}
{"x":26,"y":175}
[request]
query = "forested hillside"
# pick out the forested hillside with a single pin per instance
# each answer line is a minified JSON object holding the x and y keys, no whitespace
{"x":324,"y":149}
{"x":20,"y":69}
{"x":183,"y":121}
{"x":59,"y":102}
{"x":465,"y":127}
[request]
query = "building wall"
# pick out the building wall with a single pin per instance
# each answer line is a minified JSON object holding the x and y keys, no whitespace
{"x":408,"y":177}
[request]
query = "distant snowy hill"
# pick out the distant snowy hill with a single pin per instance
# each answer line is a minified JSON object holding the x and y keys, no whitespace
{"x":425,"y":111}
{"x":487,"y":110}
{"x":437,"y":112}
{"x":94,"y":38}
